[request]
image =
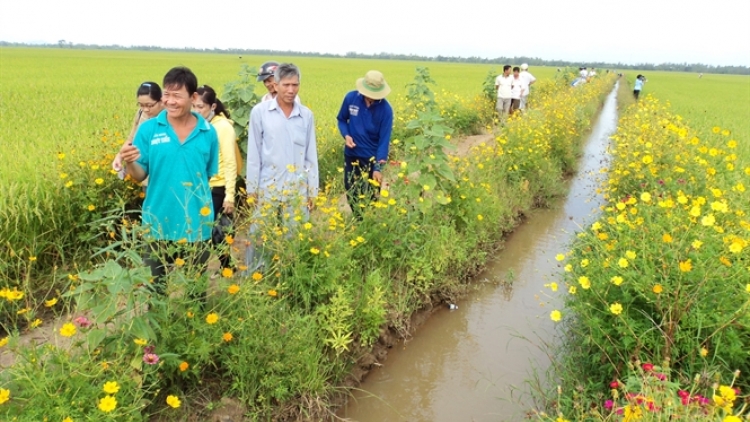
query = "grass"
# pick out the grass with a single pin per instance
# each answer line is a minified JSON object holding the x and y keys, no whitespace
{"x":286,"y":336}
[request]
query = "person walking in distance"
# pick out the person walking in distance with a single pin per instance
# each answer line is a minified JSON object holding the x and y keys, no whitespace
{"x":528,"y":79}
{"x":504,"y":86}
{"x":639,"y":81}
{"x":365,"y":121}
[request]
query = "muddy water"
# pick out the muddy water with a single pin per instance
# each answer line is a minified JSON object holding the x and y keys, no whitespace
{"x":471,"y":364}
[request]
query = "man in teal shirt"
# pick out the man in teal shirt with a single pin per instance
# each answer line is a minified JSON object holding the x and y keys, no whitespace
{"x":178,"y":151}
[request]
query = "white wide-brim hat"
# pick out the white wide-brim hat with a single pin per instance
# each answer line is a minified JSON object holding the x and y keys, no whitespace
{"x":373,"y":85}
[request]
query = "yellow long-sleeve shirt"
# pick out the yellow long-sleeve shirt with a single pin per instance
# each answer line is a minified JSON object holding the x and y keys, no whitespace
{"x":230,"y":160}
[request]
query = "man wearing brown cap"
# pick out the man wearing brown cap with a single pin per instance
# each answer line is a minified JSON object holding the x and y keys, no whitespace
{"x":365,"y":121}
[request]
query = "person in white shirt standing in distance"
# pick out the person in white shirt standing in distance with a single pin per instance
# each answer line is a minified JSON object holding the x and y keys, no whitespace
{"x":282,"y":160}
{"x":516,"y":91}
{"x":527,"y":79}
{"x":504,"y":86}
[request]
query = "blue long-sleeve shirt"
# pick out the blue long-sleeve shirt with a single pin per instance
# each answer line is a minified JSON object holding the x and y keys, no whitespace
{"x":370,"y":128}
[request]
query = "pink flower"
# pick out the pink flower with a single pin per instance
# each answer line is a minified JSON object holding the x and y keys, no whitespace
{"x":82,"y":322}
{"x":660,"y":376}
{"x":609,"y":404}
{"x":648,"y":367}
{"x":614,"y":384}
{"x":148,"y":350}
{"x":151,"y":358}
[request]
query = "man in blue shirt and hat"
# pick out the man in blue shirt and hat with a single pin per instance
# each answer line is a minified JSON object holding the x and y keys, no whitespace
{"x":365,"y":121}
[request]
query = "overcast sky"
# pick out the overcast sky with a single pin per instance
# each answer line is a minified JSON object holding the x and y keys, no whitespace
{"x":654,"y":31}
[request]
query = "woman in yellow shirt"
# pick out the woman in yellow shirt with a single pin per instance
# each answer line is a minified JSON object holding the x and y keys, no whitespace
{"x":223,"y":185}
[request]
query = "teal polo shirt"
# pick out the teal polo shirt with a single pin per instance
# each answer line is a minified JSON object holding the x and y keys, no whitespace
{"x":178,"y":201}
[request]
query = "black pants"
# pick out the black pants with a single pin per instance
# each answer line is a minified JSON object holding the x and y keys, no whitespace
{"x":359,"y":191}
{"x":636,"y":92}
{"x":159,"y":254}
{"x":217,"y":196}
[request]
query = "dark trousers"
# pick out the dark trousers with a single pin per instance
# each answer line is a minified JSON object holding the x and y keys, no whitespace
{"x":217,"y":196}
{"x":159,"y":254}
{"x":359,"y":191}
{"x":636,"y":92}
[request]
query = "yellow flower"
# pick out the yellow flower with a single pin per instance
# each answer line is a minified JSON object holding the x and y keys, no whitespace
{"x":307,"y":226}
{"x":657,"y":289}
{"x":708,"y":220}
{"x":272,"y":293}
{"x":731,"y":418}
{"x":623,"y":263}
{"x":69,"y":183}
{"x":227,"y":273}
{"x":229,"y":239}
{"x":553,"y":286}
{"x":584,"y":263}
{"x":50,"y":303}
{"x":91,"y":207}
{"x":227,"y":337}
{"x":60,"y":155}
{"x":747,"y":289}
{"x":4,"y":395}
{"x":179,"y":262}
{"x":666,"y":238}
{"x":616,"y":280}
{"x":184,"y":366}
{"x":384,"y":193}
{"x":559,"y":257}
{"x":704,"y":352}
{"x":584,"y":282}
{"x":568,"y":268}
{"x":111,"y":387}
{"x":572,"y":290}
{"x":686,"y":266}
{"x":107,"y":404}
{"x":736,"y":246}
{"x":697,"y":244}
{"x":257,"y":276}
{"x":233,"y":289}
{"x":555,"y":315}
{"x":212,"y":318}
{"x":67,"y":330}
{"x":35,"y":323}
{"x":615,"y":308}
{"x":68,"y":419}
{"x":99,"y":181}
{"x":205,"y":211}
{"x":173,"y":401}
{"x":314,"y":250}
{"x":480,"y":217}
{"x":426,"y":187}
{"x":630,"y":255}
{"x":646,"y":197}
{"x":140,"y":342}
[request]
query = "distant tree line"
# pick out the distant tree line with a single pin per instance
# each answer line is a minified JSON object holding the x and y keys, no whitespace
{"x":532,"y":61}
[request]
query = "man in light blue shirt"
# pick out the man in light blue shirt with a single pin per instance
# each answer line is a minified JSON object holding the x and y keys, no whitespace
{"x":282,"y":159}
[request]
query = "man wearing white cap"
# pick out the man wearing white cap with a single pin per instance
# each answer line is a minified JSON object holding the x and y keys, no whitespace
{"x":528,"y":80}
{"x":365,"y":122}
